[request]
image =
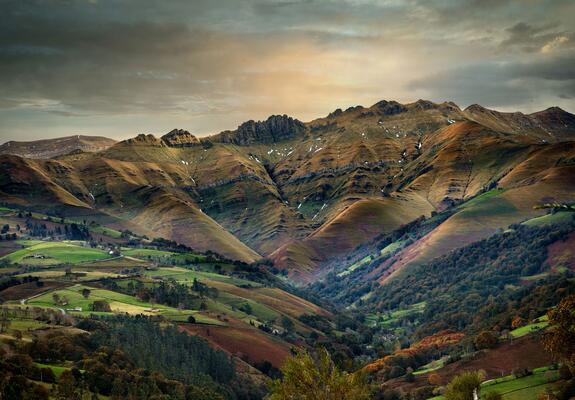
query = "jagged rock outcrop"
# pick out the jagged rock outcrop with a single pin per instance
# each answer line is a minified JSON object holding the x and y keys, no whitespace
{"x":180,"y":138}
{"x":275,"y":129}
{"x":143,"y":140}
{"x":389,"y":107}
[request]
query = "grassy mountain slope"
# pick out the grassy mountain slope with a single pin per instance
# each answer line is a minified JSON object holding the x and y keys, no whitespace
{"x":305,"y":194}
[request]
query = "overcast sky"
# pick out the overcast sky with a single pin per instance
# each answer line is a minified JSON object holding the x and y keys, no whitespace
{"x":122,"y":67}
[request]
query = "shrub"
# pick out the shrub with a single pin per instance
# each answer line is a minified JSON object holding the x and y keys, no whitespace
{"x":492,"y":396}
{"x":101,"y":306}
{"x":521,"y":372}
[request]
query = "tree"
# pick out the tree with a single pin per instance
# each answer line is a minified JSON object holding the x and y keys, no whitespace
{"x":485,"y":340}
{"x":101,"y":306}
{"x":66,"y":388}
{"x":307,"y":377}
{"x":560,"y":340}
{"x":517,"y":322}
{"x":191,"y":319}
{"x":288,"y":324}
{"x":86,"y":293}
{"x":463,"y":386}
{"x":4,"y":319}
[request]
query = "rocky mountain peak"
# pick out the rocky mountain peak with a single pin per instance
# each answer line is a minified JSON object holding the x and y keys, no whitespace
{"x":143,"y":140}
{"x":180,"y":138}
{"x":275,"y":129}
{"x":385,"y":107}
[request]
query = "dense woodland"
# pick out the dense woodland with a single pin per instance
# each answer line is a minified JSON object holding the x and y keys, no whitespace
{"x":470,"y":287}
{"x":124,"y":358}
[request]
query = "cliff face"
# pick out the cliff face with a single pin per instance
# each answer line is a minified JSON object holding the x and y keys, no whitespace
{"x":275,"y":129}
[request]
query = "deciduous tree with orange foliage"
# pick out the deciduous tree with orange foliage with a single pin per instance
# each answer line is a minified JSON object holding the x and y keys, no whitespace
{"x":560,"y":338}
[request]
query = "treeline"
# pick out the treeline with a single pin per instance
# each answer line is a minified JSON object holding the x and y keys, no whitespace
{"x":71,"y":231}
{"x":470,"y":286}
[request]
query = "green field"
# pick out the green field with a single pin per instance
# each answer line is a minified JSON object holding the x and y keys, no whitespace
{"x":432,"y":366}
{"x":540,"y":323}
{"x":96,"y":228}
{"x":395,"y":316}
{"x":534,"y":277}
{"x":59,"y":273}
{"x":525,"y":388}
{"x":26,"y":324}
{"x":57,"y":369}
{"x":28,"y":243}
{"x":393,"y":247}
{"x":184,"y":275}
{"x":259,"y":310}
{"x":558,"y":217}
{"x":146,"y":253}
{"x":105,"y":231}
{"x":227,"y":303}
{"x":356,"y":265}
{"x":119,"y":303}
{"x":482,"y":198}
{"x":55,"y":253}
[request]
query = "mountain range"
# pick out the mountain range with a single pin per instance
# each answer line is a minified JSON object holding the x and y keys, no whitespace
{"x":308,"y":196}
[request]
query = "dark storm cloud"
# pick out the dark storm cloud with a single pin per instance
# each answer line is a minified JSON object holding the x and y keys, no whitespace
{"x":501,"y":84}
{"x":531,"y":38}
{"x":117,"y":67}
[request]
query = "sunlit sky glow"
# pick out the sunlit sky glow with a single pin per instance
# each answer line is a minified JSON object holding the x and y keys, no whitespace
{"x":121,"y":67}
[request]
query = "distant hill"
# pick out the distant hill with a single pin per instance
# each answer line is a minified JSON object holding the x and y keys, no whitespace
{"x":49,"y":148}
